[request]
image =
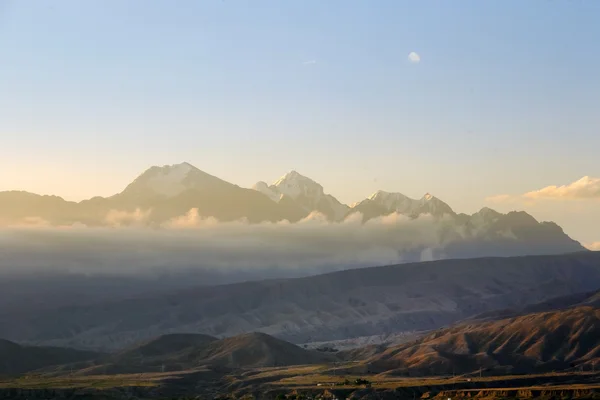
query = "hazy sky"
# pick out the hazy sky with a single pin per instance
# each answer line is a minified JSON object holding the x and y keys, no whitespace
{"x":465,"y":100}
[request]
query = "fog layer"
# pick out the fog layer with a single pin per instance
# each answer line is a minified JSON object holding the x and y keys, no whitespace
{"x":190,"y":242}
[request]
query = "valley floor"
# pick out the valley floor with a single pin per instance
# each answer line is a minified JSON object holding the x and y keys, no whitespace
{"x":300,"y":382}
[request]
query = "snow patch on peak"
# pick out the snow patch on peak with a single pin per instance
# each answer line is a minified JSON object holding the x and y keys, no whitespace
{"x":394,"y":202}
{"x":172,"y":180}
{"x":295,"y":185}
{"x":306,"y":192}
{"x":429,"y":204}
{"x":293,"y":178}
{"x":399,"y":203}
{"x":293,"y":174}
{"x":166,"y":180}
{"x":385,"y":196}
{"x":378,"y":194}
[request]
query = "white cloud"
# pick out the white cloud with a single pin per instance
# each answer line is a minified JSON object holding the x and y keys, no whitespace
{"x":584,"y":188}
{"x":414,"y":57}
{"x":593,"y":246}
{"x":310,"y":62}
{"x":119,"y":218}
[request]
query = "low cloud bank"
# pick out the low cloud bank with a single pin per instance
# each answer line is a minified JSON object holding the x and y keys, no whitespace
{"x":191,"y":241}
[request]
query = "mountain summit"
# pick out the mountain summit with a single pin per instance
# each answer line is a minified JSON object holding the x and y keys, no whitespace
{"x":172,"y":180}
{"x":306,"y":193}
{"x":383,"y":203}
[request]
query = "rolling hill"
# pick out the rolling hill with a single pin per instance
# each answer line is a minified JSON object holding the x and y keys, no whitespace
{"x":179,"y":352}
{"x":16,"y":359}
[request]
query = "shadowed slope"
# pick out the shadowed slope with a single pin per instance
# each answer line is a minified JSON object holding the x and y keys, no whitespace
{"x":361,"y":302}
{"x":17,"y":359}
{"x":177,"y":352}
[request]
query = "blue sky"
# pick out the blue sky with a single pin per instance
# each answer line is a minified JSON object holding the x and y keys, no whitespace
{"x":504,"y":100}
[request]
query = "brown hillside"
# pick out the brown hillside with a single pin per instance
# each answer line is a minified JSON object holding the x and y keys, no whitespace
{"x":546,"y":341}
{"x":179,"y":352}
{"x":258,"y":350}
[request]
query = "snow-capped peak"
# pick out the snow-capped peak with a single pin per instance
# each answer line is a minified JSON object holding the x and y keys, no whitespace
{"x":294,"y":184}
{"x":292,"y":175}
{"x":166,"y":180}
{"x":172,"y":180}
{"x":308,"y":193}
{"x":397,"y":202}
{"x":387,"y":196}
{"x":394,"y":202}
{"x":430,"y":204}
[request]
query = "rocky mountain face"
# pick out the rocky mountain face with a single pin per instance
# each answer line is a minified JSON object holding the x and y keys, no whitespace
{"x":162,"y":194}
{"x":351,"y":303}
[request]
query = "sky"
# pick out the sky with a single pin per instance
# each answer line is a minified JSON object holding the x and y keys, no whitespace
{"x":480,"y":103}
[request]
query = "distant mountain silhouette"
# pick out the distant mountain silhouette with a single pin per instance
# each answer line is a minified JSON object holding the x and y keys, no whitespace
{"x":162,"y":194}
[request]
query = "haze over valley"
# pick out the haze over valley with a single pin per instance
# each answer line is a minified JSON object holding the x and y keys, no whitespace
{"x":299,"y":200}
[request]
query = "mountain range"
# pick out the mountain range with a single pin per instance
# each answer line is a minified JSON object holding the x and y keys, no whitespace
{"x":161,"y":194}
{"x":353,"y":303}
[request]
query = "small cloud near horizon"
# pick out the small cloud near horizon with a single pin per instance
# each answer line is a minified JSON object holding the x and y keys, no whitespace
{"x":414,"y":57}
{"x":593,"y":246}
{"x":309,"y":62}
{"x":584,"y":188}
